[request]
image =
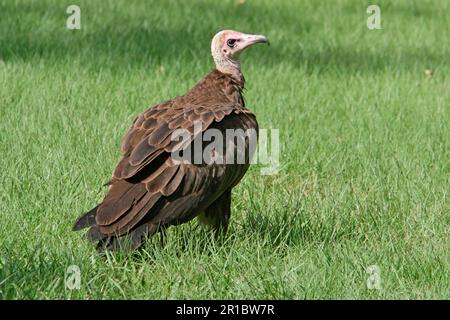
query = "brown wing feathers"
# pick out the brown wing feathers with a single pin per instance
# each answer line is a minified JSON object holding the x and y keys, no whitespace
{"x":147,"y":188}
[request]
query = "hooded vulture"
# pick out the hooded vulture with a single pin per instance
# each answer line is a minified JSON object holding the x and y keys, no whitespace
{"x":149,"y":189}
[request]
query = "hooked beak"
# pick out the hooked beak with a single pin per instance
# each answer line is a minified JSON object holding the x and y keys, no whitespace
{"x":251,"y":39}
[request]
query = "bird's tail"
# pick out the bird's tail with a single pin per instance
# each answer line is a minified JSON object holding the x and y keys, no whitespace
{"x":86,"y":220}
{"x":128,"y":242}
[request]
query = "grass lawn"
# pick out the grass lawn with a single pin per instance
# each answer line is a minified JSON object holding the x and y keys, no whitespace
{"x":364,"y":134}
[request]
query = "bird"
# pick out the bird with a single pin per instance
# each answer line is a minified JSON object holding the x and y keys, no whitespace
{"x":150,"y":190}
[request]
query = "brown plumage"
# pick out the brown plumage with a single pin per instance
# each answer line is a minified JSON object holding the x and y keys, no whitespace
{"x":149,"y":190}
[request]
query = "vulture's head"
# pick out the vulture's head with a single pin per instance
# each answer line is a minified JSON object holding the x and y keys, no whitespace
{"x":227,"y":46}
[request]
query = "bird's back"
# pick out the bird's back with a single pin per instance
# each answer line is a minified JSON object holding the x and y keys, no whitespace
{"x":149,"y":190}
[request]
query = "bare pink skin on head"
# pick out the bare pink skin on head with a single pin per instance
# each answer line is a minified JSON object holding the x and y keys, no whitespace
{"x":227,"y":46}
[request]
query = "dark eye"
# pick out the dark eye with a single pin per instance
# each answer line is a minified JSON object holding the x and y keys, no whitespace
{"x":231,"y":42}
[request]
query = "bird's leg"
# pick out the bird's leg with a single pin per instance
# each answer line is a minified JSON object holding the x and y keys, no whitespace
{"x":162,"y":236}
{"x":217,"y":215}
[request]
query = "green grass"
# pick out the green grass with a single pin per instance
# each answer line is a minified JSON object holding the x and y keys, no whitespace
{"x":364,"y":155}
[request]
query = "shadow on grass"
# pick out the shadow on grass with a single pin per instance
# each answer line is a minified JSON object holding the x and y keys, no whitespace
{"x":182,"y":240}
{"x":120,"y":40}
{"x":289,"y":229}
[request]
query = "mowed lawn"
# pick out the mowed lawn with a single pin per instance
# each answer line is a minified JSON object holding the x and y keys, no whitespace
{"x":363,"y":117}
